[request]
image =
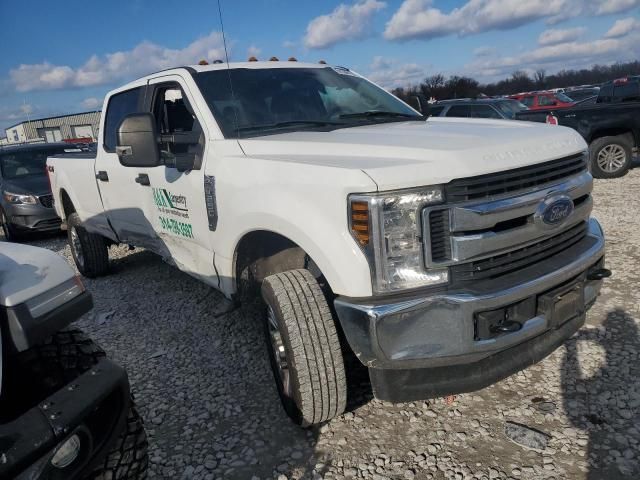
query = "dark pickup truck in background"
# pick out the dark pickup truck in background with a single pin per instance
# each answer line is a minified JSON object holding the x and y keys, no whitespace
{"x":610,"y":125}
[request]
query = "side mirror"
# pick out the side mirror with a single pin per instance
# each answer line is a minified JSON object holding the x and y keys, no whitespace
{"x":420,"y":103}
{"x":137,"y":141}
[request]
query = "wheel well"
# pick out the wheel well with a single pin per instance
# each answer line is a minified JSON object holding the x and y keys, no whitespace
{"x":67,"y":204}
{"x":263,"y":253}
{"x":614,"y":132}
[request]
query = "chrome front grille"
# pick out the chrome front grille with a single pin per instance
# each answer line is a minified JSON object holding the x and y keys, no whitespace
{"x":505,"y":263}
{"x":464,"y":235}
{"x":512,"y":182}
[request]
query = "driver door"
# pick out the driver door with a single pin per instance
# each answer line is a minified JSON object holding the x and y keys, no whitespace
{"x":175,"y":203}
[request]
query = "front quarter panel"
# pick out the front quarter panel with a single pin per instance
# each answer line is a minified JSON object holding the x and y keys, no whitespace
{"x":305,"y":203}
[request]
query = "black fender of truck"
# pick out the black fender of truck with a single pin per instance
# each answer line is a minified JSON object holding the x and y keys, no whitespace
{"x":21,"y":331}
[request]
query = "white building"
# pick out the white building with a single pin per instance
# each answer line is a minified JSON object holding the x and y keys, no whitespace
{"x":56,"y":129}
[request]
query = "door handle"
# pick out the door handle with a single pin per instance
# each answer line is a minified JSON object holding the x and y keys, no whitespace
{"x":102,"y":176}
{"x":143,"y":179}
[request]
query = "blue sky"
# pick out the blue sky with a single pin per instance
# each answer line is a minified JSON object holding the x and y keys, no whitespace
{"x":62,"y":57}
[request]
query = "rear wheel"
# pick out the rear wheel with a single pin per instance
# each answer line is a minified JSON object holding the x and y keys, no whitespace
{"x":89,"y":250}
{"x":610,"y":156}
{"x":304,"y":348}
{"x":9,"y":231}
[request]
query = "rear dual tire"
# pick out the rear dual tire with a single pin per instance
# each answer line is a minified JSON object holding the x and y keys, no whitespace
{"x":304,"y":348}
{"x":89,"y":250}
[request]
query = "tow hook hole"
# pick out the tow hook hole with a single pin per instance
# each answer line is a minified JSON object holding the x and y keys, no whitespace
{"x":598,"y":274}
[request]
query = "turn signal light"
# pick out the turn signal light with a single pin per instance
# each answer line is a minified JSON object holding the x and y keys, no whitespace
{"x":360,"y":222}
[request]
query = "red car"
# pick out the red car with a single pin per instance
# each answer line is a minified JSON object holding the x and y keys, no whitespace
{"x":542,"y":100}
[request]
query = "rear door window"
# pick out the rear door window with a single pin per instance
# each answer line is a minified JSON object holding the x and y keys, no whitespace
{"x":463,"y":111}
{"x":627,"y":92}
{"x":547,"y":101}
{"x":528,"y":101}
{"x":120,"y":105}
{"x":484,"y":111}
{"x":436,"y":111}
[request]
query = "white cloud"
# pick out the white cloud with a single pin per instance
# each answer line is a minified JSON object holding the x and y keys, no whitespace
{"x":555,"y":36}
{"x":91,"y":103}
{"x":565,"y":55}
{"x":484,"y":51}
{"x":389,"y":74}
{"x":144,"y":58}
{"x":289,"y":44}
{"x":346,"y":22}
{"x":254,"y":51}
{"x":420,"y":19}
{"x":623,"y":27}
{"x":616,"y":6}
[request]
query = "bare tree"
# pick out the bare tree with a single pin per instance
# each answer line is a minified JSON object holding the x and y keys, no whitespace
{"x":540,"y":78}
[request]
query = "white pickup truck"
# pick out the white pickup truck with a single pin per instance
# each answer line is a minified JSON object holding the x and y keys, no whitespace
{"x":446,"y":254}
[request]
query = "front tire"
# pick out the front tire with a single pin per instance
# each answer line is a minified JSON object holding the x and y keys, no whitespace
{"x":610,"y":156}
{"x":89,"y":250}
{"x":9,"y":231}
{"x":304,"y":348}
{"x":57,"y":362}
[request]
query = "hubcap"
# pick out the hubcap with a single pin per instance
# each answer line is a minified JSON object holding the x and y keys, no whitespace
{"x":279,"y":352}
{"x":611,"y":158}
{"x":76,"y":246}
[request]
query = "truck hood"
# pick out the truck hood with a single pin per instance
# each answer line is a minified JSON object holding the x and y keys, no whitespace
{"x":26,"y":272}
{"x":29,"y":185}
{"x":407,"y":154}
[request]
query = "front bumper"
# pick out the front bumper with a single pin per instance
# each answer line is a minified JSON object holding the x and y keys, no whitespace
{"x":32,"y":217}
{"x":94,"y":406}
{"x":427,"y":346}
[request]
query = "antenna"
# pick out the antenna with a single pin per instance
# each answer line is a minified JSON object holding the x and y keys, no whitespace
{"x":226,"y":54}
{"x":224,"y":38}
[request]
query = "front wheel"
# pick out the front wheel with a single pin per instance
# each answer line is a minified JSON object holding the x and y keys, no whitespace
{"x":610,"y":156}
{"x":304,"y":348}
{"x":9,"y":231}
{"x":89,"y":250}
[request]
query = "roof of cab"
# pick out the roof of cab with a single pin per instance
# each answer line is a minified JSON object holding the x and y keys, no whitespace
{"x":219,"y":66}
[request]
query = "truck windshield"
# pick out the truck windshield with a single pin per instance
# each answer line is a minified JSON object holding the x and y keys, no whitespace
{"x":25,"y":163}
{"x":273,"y":100}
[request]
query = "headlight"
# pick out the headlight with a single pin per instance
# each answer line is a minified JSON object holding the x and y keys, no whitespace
{"x":18,"y":198}
{"x":388,"y":228}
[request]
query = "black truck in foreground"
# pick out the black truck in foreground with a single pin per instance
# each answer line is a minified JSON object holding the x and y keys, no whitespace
{"x":610,"y":125}
{"x":65,"y":409}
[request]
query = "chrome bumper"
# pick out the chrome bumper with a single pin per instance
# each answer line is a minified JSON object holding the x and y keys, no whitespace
{"x":437,"y":329}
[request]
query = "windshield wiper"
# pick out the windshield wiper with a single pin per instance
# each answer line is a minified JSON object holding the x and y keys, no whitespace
{"x":381,"y":113}
{"x":290,"y":123}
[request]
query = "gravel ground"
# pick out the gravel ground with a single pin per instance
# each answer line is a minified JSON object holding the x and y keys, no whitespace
{"x":202,"y":382}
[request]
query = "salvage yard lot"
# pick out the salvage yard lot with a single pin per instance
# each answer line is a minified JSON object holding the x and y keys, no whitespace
{"x":203,"y":385}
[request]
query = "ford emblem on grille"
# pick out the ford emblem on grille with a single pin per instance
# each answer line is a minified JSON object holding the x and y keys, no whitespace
{"x":556,"y":210}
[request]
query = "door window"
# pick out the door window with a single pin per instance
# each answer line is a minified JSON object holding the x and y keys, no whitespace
{"x":436,"y":111}
{"x":179,"y":129}
{"x":484,"y":111}
{"x":528,"y":101}
{"x":120,"y":105}
{"x":459,"y":111}
{"x":546,"y":101}
{"x":627,"y":92}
